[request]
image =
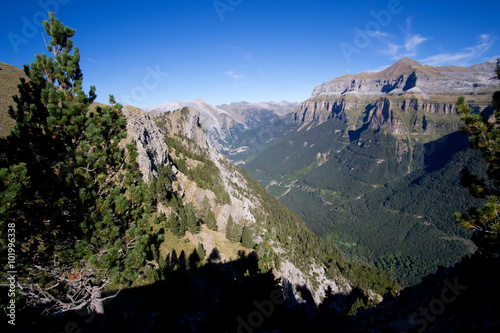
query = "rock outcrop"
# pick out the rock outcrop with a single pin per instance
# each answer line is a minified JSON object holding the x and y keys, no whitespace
{"x":399,"y":97}
{"x":149,"y":139}
{"x":410,"y":76}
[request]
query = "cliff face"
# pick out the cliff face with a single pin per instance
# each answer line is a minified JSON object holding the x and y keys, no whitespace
{"x":409,"y":76}
{"x":399,"y":97}
{"x":149,"y":140}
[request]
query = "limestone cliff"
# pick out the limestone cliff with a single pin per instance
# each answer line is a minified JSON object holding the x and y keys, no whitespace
{"x":405,"y":98}
{"x":149,"y":140}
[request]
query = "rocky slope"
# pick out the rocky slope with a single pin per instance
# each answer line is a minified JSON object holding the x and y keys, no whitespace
{"x":245,"y":206}
{"x":406,"y":98}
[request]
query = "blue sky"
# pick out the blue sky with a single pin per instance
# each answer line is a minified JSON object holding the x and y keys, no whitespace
{"x":222,"y":51}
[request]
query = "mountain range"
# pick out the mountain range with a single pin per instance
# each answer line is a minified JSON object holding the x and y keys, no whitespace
{"x":223,"y":121}
{"x":369,"y":171}
{"x":372,"y":162}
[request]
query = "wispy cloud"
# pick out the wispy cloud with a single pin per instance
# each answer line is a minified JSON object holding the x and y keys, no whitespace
{"x":377,"y":33}
{"x":463,"y":57}
{"x":401,"y":46}
{"x":411,"y":43}
{"x":233,"y":75}
{"x":411,"y":40}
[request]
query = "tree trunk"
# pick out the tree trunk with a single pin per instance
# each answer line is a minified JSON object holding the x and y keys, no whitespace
{"x":96,"y":302}
{"x":97,"y":306}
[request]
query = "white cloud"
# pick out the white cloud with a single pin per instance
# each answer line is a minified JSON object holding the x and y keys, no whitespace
{"x":463,"y":57}
{"x":391,"y":49}
{"x":397,"y":46}
{"x":411,"y":43}
{"x":377,"y":33}
{"x":233,"y":75}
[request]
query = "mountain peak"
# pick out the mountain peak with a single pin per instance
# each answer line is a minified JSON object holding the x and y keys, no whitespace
{"x":200,"y":101}
{"x":403,"y":66}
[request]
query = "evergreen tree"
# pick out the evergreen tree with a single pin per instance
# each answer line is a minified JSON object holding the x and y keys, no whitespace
{"x":266,"y":255}
{"x":232,"y":230}
{"x":172,"y":223}
{"x":73,"y":194}
{"x":485,"y":137}
{"x":191,"y":221}
{"x":211,"y":221}
{"x":201,"y":251}
{"x":204,"y":208}
{"x":182,"y":222}
{"x":247,"y":238}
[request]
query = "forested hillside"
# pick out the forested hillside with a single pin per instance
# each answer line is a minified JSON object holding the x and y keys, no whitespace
{"x":374,"y":169}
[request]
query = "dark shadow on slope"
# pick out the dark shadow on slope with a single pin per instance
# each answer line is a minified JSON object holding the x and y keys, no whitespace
{"x":193,"y":296}
{"x":438,"y":153}
{"x":205,"y":296}
{"x":462,"y":298}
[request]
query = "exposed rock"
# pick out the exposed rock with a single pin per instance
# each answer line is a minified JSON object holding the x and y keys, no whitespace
{"x":153,"y":152}
{"x":149,"y":139}
{"x":220,"y":122}
{"x":408,"y":74}
{"x":389,"y":98}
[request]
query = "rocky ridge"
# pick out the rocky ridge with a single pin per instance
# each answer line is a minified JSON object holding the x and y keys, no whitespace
{"x":220,"y":122}
{"x":406,"y":98}
{"x":407,"y":75}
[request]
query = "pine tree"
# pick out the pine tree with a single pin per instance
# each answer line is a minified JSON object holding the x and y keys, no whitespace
{"x":211,"y":221}
{"x":201,"y":251}
{"x":484,"y":136}
{"x":204,"y":208}
{"x":232,"y":230}
{"x":182,"y":222}
{"x":76,"y":199}
{"x":247,"y":238}
{"x":266,"y":255}
{"x":191,"y":221}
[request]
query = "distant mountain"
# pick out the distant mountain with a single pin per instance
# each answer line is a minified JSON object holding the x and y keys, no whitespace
{"x":409,"y":76}
{"x":372,"y":162}
{"x":406,"y":98}
{"x":224,"y":122}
